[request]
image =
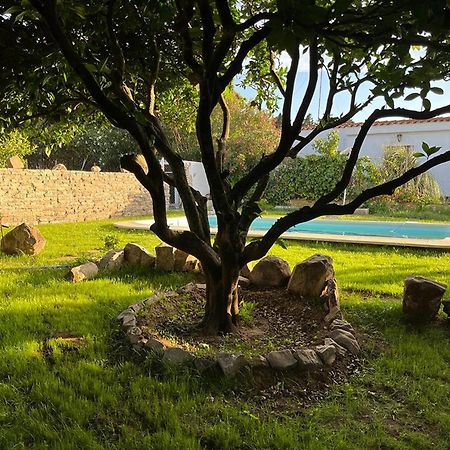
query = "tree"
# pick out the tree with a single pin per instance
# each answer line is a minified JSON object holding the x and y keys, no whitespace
{"x":116,"y":55}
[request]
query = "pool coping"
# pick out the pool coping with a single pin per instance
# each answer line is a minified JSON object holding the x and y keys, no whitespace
{"x":433,"y":244}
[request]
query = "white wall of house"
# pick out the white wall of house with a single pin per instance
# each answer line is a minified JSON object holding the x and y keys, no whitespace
{"x":402,"y":132}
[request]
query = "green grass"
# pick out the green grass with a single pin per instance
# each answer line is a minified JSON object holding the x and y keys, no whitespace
{"x":91,"y":392}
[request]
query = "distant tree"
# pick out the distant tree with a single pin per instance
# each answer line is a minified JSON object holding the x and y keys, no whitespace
{"x":116,"y":56}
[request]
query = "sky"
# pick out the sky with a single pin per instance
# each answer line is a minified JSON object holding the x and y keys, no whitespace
{"x":342,"y":100}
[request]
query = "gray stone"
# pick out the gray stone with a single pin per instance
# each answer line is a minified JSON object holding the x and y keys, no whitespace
{"x":155,"y":346}
{"x":14,"y":162}
{"x":112,"y":261}
{"x":134,"y":334}
{"x":347,"y":340}
{"x":86,"y":271}
{"x":342,"y":325}
{"x":23,"y":239}
{"x":327,"y":354}
{"x":422,"y":298}
{"x":128,"y":321}
{"x":230,"y":363}
{"x":309,"y":277}
{"x":125,"y":312}
{"x":96,"y":169}
{"x":258,"y":362}
{"x":59,"y":167}
{"x":341,"y":351}
{"x":204,"y":364}
{"x":137,"y":306}
{"x":270,"y":271}
{"x":177,"y":356}
{"x":165,"y":258}
{"x":281,"y":359}
{"x":308,"y":359}
{"x":135,"y":254}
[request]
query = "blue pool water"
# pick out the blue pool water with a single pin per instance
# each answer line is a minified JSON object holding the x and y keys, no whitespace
{"x":359,"y":228}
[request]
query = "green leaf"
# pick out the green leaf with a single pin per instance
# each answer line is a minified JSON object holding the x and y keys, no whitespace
{"x":412,"y":96}
{"x":437,"y":90}
{"x":426,"y":104}
{"x":425,"y":147}
{"x":418,"y":155}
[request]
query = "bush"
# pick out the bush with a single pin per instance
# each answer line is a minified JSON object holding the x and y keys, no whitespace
{"x":14,"y":143}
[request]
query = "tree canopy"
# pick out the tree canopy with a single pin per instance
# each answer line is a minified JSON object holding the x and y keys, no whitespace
{"x":116,"y":56}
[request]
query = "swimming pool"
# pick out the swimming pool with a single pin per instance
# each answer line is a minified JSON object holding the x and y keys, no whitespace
{"x":413,"y":230}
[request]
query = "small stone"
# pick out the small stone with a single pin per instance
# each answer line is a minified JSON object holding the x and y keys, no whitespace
{"x":347,"y":340}
{"x":128,"y":321}
{"x":137,"y":306}
{"x":204,"y":364}
{"x":281,"y":359}
{"x":335,"y":313}
{"x":23,"y":239}
{"x":341,"y":351}
{"x":184,"y":262}
{"x":342,"y":325}
{"x":112,"y":261}
{"x":134,"y":334}
{"x":258,"y":362}
{"x":309,"y":277}
{"x":165,"y":259}
{"x":177,"y":356}
{"x":201,"y":286}
{"x":270,"y":271}
{"x":59,"y":167}
{"x":125,"y":312}
{"x":86,"y":271}
{"x":308,"y":359}
{"x":422,"y":298}
{"x":95,"y":169}
{"x":230,"y":363}
{"x":327,"y":353}
{"x":14,"y":162}
{"x":135,"y":254}
{"x":155,"y":346}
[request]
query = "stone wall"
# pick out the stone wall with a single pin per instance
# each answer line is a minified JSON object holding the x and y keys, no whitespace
{"x":45,"y":196}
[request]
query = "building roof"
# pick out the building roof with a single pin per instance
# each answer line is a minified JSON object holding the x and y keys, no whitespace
{"x":351,"y":124}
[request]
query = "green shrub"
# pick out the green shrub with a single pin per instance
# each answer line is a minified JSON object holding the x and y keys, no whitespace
{"x":14,"y":143}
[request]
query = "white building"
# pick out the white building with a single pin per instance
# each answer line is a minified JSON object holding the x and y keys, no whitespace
{"x":410,"y":133}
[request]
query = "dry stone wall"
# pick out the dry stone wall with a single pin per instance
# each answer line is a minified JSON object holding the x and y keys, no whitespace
{"x":46,"y":196}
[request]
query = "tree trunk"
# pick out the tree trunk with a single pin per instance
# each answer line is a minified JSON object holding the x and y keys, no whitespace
{"x":222,"y":302}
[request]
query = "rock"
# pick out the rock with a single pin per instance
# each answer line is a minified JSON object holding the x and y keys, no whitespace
{"x":281,"y":359}
{"x":165,"y":259}
{"x":335,"y":313}
{"x":86,"y":271}
{"x":135,"y":307}
{"x":135,"y":254}
{"x":446,"y":306}
{"x":327,"y":354}
{"x":23,"y":239}
{"x":155,"y":346}
{"x":243,"y":282}
{"x":309,"y":277}
{"x":14,"y":163}
{"x":270,"y":271}
{"x":125,"y":312}
{"x":341,"y":351}
{"x":230,"y":363}
{"x":134,"y":335}
{"x":308,"y":359}
{"x":113,"y":260}
{"x":347,"y":340}
{"x":342,"y":325}
{"x":184,"y":262}
{"x":258,"y":362}
{"x":59,"y":167}
{"x":422,"y":298}
{"x":204,"y":364}
{"x":245,"y":271}
{"x":128,"y":321}
{"x":177,"y":356}
{"x":96,"y":169}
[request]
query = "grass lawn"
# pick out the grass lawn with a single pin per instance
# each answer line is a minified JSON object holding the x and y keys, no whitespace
{"x":67,"y":382}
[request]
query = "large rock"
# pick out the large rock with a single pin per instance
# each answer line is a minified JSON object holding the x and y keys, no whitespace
{"x":83,"y":272}
{"x":23,"y":239}
{"x":341,"y":351}
{"x":327,"y":353}
{"x":177,"y":356}
{"x":309,"y":277}
{"x":230,"y":363}
{"x":281,"y":359}
{"x":184,"y":262}
{"x":422,"y":298}
{"x":270,"y":271}
{"x":165,"y":258}
{"x":113,"y":260}
{"x":137,"y":255}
